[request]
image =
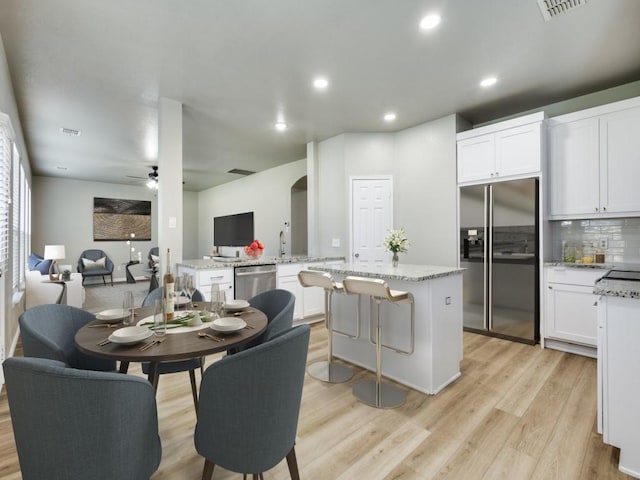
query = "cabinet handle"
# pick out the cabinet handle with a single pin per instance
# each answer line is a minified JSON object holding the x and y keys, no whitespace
{"x":497,"y":173}
{"x":596,"y":209}
{"x":492,"y":174}
{"x":604,"y":209}
{"x":550,"y":287}
{"x":595,"y":304}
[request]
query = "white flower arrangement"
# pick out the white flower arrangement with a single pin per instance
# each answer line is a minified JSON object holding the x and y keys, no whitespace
{"x":396,"y":241}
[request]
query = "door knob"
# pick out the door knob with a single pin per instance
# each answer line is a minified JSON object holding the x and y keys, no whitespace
{"x":357,"y":255}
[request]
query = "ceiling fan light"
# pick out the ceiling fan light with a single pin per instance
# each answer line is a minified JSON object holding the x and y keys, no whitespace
{"x":153,"y":184}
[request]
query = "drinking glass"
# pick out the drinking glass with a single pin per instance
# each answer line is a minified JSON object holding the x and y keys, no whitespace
{"x":217,"y":300}
{"x":159,"y":318}
{"x":127,"y":308}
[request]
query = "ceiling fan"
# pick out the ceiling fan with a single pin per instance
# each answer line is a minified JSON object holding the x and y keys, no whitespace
{"x":152,"y":178}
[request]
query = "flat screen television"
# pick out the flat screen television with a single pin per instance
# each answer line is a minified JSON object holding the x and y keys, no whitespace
{"x":233,"y":230}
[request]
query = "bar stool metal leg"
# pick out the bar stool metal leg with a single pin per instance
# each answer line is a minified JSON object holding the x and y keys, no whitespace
{"x":329,"y":371}
{"x":377,"y":393}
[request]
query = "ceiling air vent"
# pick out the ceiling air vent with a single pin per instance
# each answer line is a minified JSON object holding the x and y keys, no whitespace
{"x":239,"y":171}
{"x":553,"y":8}
{"x":70,"y":131}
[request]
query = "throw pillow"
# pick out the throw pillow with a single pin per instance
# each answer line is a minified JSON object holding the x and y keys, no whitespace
{"x":36,"y":262}
{"x":99,"y":264}
{"x":155,"y":259}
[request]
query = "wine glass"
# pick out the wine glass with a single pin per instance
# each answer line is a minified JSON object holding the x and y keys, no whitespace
{"x":178,"y":288}
{"x":159,"y":319}
{"x":191,"y":287}
{"x":127,"y":308}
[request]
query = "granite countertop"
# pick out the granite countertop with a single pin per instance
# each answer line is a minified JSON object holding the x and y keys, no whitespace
{"x":210,"y":263}
{"x":617,"y":288}
{"x":604,"y":266}
{"x":405,"y":272}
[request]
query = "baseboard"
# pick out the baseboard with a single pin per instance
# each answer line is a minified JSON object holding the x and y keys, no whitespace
{"x":571,"y":348}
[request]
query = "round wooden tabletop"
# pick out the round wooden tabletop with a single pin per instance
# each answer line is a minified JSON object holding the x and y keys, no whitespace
{"x":176,"y":346}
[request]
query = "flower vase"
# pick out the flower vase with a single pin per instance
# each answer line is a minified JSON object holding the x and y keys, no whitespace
{"x":394,"y":260}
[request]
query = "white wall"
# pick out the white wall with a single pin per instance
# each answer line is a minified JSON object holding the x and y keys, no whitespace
{"x":190,"y":225}
{"x":63,"y":214}
{"x":267,"y":194}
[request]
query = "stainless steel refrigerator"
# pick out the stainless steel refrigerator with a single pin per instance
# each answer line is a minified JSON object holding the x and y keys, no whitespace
{"x":499,"y":240}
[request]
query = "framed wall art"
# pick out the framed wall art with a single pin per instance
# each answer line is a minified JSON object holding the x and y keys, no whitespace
{"x":117,"y":219}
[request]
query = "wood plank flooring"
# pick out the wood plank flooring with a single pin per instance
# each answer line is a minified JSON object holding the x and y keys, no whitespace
{"x":517,"y":412}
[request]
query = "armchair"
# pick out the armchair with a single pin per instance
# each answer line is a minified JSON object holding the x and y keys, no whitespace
{"x":95,"y":263}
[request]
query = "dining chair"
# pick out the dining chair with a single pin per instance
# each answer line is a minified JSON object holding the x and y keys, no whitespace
{"x":48,"y":331}
{"x":277,"y":305}
{"x":72,"y":424}
{"x":189,"y":365}
{"x":249,"y":406}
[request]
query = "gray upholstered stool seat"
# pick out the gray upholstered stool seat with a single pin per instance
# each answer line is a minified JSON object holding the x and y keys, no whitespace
{"x":327,"y":371}
{"x":377,"y":393}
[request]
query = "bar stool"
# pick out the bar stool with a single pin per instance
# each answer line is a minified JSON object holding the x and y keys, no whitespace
{"x":327,"y":371}
{"x":377,"y":393}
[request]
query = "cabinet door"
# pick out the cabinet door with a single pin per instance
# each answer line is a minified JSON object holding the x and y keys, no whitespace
{"x":476,"y":158}
{"x":574,"y":168}
{"x":291,"y":283}
{"x":620,"y":162}
{"x":571,"y":313}
{"x":518,"y":150}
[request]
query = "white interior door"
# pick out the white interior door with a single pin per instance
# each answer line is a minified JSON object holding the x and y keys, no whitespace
{"x":371,"y":217}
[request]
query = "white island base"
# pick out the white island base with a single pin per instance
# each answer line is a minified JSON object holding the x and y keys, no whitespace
{"x":437,"y":291}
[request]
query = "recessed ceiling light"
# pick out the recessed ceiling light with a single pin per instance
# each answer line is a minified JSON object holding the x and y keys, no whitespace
{"x":489,"y":81}
{"x":389,"y":117}
{"x":430,"y":21}
{"x":281,"y":126}
{"x":321,"y":83}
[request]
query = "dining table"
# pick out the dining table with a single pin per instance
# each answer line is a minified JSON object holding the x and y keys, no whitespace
{"x":91,"y":339}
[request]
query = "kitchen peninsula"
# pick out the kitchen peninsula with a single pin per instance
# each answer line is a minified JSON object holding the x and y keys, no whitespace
{"x":437,"y":291}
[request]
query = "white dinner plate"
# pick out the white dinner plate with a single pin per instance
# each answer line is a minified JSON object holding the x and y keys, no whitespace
{"x":228,"y":324}
{"x":130,"y":335}
{"x":111,"y":315}
{"x":233,"y":305}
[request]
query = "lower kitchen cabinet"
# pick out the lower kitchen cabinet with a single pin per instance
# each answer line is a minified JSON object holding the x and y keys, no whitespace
{"x":204,"y":278}
{"x":570,"y":312}
{"x":619,"y":380}
{"x":309,"y":301}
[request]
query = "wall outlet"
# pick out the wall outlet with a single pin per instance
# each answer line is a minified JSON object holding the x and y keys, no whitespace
{"x":335,"y":242}
{"x":604,"y":243}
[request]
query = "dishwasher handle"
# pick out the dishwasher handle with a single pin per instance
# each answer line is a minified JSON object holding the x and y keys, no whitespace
{"x":252,"y":274}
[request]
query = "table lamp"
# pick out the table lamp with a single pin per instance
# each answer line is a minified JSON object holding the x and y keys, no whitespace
{"x":53,"y":253}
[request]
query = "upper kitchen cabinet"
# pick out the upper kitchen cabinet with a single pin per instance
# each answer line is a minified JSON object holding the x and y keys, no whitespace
{"x":594,"y":162}
{"x":502,"y":151}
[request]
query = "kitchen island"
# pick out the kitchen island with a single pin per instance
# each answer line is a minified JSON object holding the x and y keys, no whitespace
{"x":618,"y":375}
{"x":437,"y":291}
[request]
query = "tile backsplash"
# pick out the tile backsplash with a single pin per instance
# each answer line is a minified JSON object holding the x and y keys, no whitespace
{"x":622,"y":236}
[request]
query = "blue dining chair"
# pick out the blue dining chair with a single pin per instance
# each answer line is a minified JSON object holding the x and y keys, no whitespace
{"x":191,"y":364}
{"x":278,"y":306}
{"x":73,"y":424}
{"x":48,"y":331}
{"x":249,"y":406}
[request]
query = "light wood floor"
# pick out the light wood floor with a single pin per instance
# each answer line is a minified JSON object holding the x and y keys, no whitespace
{"x":517,"y":412}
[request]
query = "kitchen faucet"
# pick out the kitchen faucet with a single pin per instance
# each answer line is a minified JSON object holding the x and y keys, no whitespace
{"x":282,"y":243}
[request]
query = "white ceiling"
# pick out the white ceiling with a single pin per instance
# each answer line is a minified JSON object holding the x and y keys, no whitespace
{"x":237,"y":65}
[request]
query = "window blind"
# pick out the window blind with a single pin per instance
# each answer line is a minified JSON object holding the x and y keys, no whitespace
{"x":5,"y":183}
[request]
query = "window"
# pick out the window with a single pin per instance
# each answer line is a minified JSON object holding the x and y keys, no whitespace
{"x":5,"y":178}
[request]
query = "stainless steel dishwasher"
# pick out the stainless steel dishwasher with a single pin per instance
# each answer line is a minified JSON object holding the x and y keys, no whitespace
{"x":253,"y":280}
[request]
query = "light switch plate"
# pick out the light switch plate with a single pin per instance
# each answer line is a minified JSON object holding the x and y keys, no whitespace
{"x":604,"y":243}
{"x":335,"y":242}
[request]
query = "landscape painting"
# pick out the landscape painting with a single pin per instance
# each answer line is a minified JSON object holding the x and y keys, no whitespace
{"x":118,"y":219}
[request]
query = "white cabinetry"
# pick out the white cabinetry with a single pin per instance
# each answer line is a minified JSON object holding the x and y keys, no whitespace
{"x":594,"y":162}
{"x":618,"y":378}
{"x":570,"y":312}
{"x":501,"y":151}
{"x":204,"y":278}
{"x":309,"y":301}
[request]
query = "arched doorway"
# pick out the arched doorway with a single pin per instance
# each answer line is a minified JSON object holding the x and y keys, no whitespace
{"x":299,"y":244}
